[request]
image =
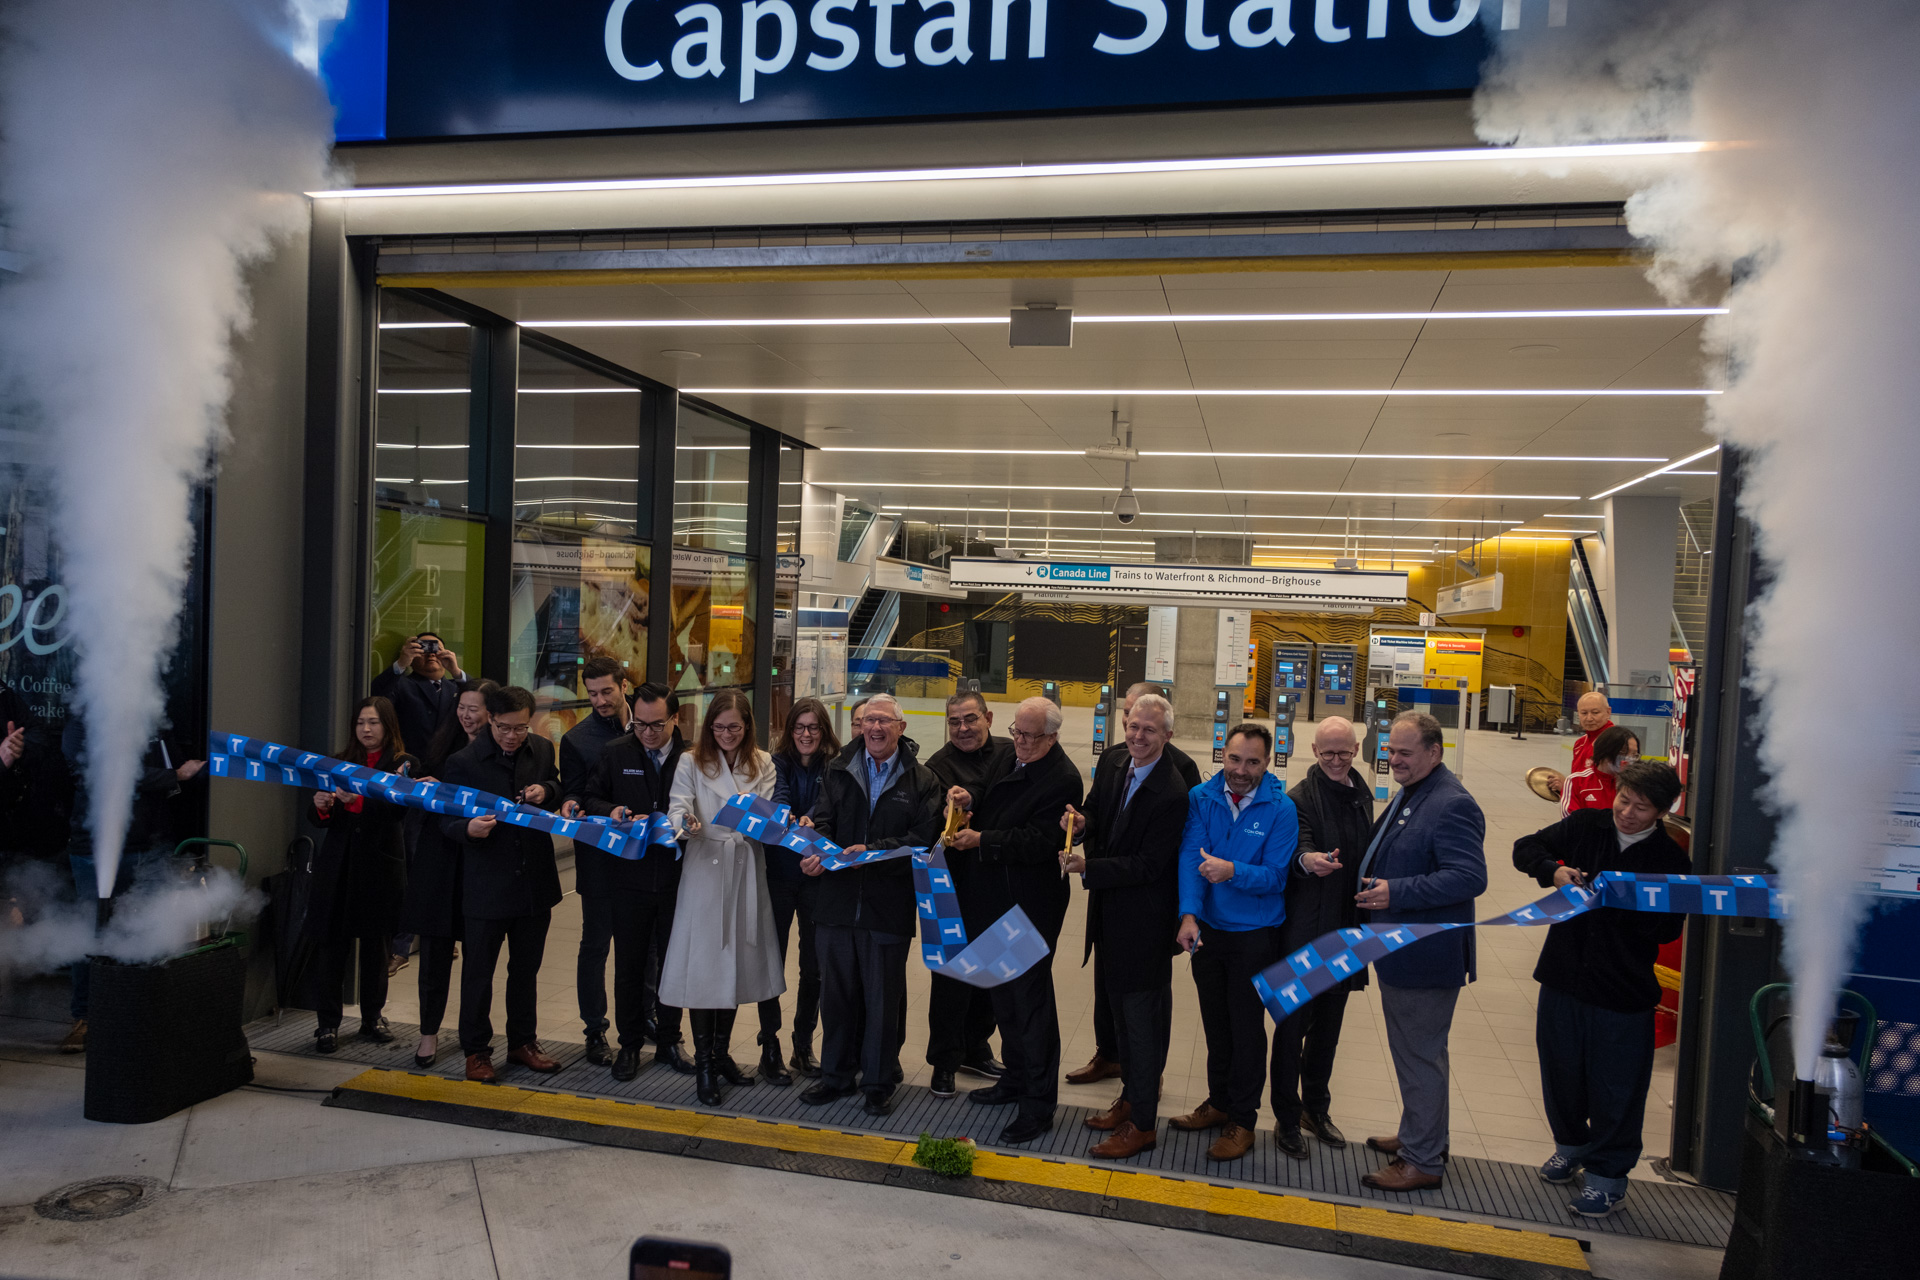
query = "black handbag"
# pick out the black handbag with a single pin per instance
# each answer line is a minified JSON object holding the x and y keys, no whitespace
{"x":289,"y":896}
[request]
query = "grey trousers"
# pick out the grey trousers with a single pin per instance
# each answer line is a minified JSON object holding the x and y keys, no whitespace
{"x":1418,"y":1021}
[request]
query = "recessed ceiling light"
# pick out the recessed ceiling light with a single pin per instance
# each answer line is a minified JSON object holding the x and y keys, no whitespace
{"x":676,"y":353}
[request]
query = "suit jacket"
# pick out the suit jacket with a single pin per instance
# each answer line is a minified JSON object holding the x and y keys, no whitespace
{"x":1432,"y":854}
{"x":511,"y":872}
{"x":421,"y":705}
{"x":625,"y":776}
{"x":1018,"y":860}
{"x":1320,"y":904}
{"x":1133,"y":872}
{"x":1183,"y":765}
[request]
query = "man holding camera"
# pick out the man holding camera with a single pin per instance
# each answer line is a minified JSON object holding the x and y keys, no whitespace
{"x":423,"y":685}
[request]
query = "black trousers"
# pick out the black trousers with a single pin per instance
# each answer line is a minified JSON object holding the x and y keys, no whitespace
{"x":526,"y":941}
{"x":1231,"y":1015}
{"x":436,"y":981}
{"x":1106,"y":1041}
{"x":959,"y":1023}
{"x":1142,"y":1028}
{"x":863,"y":984}
{"x":1030,"y":1039}
{"x":630,"y":923}
{"x":1595,"y":1067}
{"x":333,"y":958}
{"x":1303,"y":1049}
{"x":791,"y":900}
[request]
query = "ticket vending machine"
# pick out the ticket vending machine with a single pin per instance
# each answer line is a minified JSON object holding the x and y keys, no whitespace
{"x":1102,"y":708}
{"x":1382,"y":705}
{"x":1292,"y":675}
{"x":1224,"y":698}
{"x":1284,"y":706}
{"x":1050,"y":690}
{"x":1333,"y":687}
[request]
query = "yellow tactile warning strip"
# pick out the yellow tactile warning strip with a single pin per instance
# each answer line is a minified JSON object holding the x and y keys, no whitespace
{"x":1351,"y":1227}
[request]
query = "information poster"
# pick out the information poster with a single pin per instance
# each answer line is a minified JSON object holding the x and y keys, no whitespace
{"x":1451,"y":659}
{"x":1163,"y":628}
{"x":1230,"y":664}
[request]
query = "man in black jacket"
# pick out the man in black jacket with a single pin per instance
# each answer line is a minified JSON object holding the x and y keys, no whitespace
{"x":960,"y":1016}
{"x":874,"y":795}
{"x":1011,"y":857}
{"x":423,"y":686}
{"x":1135,"y":817}
{"x":1336,"y":823}
{"x":630,"y":904}
{"x":1594,"y":1023}
{"x":510,"y":883}
{"x":1105,"y":1064}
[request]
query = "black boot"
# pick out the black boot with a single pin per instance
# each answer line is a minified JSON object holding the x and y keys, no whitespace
{"x":723,"y":1064}
{"x":706,"y":1086}
{"x":773,"y":1068}
{"x":804,"y":1063}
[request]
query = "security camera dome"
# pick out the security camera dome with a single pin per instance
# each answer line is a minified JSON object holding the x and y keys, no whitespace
{"x":1126,"y":507}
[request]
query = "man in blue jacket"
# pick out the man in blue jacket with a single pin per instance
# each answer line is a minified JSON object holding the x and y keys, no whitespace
{"x":1427,"y":863}
{"x":1234,"y":858}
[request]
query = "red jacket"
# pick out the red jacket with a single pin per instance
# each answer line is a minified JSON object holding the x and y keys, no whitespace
{"x":1583,"y":748}
{"x":1588,"y":789}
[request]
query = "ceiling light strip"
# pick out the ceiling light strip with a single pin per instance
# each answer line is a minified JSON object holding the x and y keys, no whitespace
{"x":1079,"y":318}
{"x":856,"y":485}
{"x":1677,"y":462}
{"x":1202,"y":453}
{"x":1234,"y":516}
{"x":1370,"y":392}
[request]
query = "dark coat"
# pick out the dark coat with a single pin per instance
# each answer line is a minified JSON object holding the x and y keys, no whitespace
{"x":909,"y":812}
{"x":421,"y":705}
{"x":1133,"y":872}
{"x":625,"y":776}
{"x":360,"y":868}
{"x":580,"y":749}
{"x":432,"y":905}
{"x":1183,"y":765}
{"x":36,"y":792}
{"x":971,"y":769}
{"x":1318,"y":905}
{"x":165,"y":809}
{"x":1018,"y":860}
{"x":1604,"y":957}
{"x":797,"y":786}
{"x":1432,"y":854}
{"x":511,"y":872}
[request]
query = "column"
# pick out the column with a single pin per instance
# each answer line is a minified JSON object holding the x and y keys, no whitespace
{"x":1639,"y":581}
{"x":1198,"y":633}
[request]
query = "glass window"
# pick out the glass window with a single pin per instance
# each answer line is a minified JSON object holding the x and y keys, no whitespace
{"x":427,"y":576}
{"x":577,"y":456}
{"x":710,"y":468}
{"x":575,"y":598}
{"x":423,"y":412}
{"x":713,"y":620}
{"x":792,"y":471}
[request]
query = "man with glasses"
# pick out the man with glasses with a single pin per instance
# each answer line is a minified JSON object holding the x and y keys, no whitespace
{"x":509,"y":882}
{"x":631,"y":907}
{"x":1336,"y":822}
{"x":960,"y":1017}
{"x":1011,"y":858}
{"x":1106,"y":1062}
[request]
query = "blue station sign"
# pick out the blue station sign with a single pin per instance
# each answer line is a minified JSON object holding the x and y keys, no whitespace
{"x":404,"y":69}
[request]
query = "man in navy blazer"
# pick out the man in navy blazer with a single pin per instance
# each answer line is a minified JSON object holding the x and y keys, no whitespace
{"x":1427,"y":863}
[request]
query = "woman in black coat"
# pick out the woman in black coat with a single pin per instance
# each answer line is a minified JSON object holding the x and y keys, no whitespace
{"x":432,"y":905}
{"x":359,"y":877}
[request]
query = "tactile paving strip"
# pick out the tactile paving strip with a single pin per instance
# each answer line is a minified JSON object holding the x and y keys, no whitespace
{"x":1676,"y":1213}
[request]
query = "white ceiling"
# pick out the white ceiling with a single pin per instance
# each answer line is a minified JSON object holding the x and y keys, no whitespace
{"x":958,"y":434}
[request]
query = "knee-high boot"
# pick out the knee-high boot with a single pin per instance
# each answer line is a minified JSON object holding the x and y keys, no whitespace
{"x":723,"y":1064}
{"x":706,"y":1085}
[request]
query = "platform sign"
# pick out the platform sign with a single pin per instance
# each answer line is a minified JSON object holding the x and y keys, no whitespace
{"x":1220,"y":585}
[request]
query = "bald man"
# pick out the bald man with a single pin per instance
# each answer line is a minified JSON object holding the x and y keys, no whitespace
{"x":1595,"y":716}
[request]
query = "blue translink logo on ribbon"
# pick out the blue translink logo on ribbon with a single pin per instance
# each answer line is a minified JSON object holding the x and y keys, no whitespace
{"x":1333,"y":957}
{"x":1010,"y":947}
{"x":234,"y":756}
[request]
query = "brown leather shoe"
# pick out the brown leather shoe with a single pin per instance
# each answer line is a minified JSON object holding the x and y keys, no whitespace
{"x":1391,"y":1147}
{"x":480,"y":1069}
{"x":1400,"y":1176}
{"x":76,"y":1037}
{"x":1126,"y":1141}
{"x":1234,"y":1141}
{"x":1113,"y":1117}
{"x":529,"y":1056}
{"x":1206,"y":1117}
{"x":1099,"y":1069}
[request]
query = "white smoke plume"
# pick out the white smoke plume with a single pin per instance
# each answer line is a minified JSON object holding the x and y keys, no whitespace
{"x":148,"y":154}
{"x":1816,"y":199}
{"x":158,"y":917}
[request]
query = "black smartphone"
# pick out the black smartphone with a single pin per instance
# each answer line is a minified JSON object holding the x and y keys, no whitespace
{"x":658,"y":1258}
{"x":429,"y":646}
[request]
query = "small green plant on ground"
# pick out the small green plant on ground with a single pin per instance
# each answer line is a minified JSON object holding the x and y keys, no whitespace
{"x":948,"y":1157}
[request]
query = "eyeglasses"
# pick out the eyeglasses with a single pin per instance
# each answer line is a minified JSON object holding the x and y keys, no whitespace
{"x":964,"y":722}
{"x":875,"y":722}
{"x":1021,"y":735}
{"x":655,"y":725}
{"x":1336,"y":755}
{"x":729,"y":728}
{"x":511,"y":730}
{"x":806,"y":731}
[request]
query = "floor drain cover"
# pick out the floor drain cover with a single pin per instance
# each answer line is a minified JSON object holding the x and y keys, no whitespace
{"x":96,"y":1198}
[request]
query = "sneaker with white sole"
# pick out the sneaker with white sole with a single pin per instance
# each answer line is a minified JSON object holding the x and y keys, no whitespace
{"x":1558,"y":1170}
{"x":1592,"y":1202}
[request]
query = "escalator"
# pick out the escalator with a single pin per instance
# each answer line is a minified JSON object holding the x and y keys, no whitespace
{"x":1586,"y":620}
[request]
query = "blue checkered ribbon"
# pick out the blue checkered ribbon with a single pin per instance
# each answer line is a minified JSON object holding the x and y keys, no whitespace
{"x":1334,"y":957}
{"x":235,"y":756}
{"x":1009,"y":947}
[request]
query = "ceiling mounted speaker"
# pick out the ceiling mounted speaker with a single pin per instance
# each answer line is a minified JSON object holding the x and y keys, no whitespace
{"x":1040,"y":324}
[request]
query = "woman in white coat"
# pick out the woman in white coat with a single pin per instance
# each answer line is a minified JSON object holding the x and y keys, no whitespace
{"x":723,"y":952}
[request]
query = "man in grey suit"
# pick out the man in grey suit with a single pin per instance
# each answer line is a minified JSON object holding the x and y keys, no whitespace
{"x":1426,"y":864}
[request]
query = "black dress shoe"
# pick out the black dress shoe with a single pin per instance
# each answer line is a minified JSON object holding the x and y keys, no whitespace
{"x":1024,"y":1129}
{"x":804,"y":1063}
{"x":326,"y":1041}
{"x":673,"y":1057}
{"x":823,"y":1093}
{"x":986,"y":1068}
{"x":881,"y":1102}
{"x":377,"y":1031}
{"x":729,"y":1071}
{"x":943,"y":1085}
{"x":773,"y":1069}
{"x":1288,"y":1139}
{"x":599,"y":1052}
{"x":994,"y":1095}
{"x":627,"y":1065}
{"x":650,"y":1031}
{"x":1322,"y":1127}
